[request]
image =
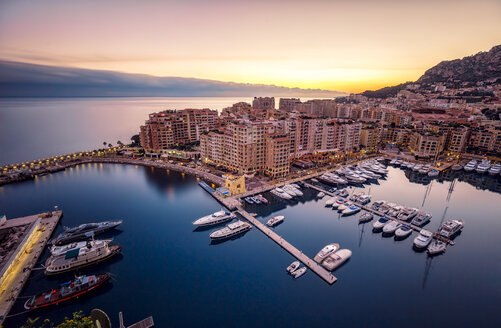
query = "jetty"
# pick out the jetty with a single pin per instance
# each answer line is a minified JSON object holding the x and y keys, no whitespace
{"x":308,"y":262}
{"x":24,"y":240}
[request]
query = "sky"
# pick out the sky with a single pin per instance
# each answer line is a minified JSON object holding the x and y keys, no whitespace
{"x":344,"y":45}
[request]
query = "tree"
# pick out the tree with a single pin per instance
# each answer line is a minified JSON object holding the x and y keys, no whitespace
{"x":78,"y":320}
{"x":135,"y":140}
{"x":110,"y":145}
{"x":120,"y":143}
{"x":104,"y":143}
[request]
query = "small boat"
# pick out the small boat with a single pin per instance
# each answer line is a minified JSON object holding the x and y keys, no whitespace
{"x":436,"y":247}
{"x":337,"y":258}
{"x":344,"y":206}
{"x":275,"y":220}
{"x":407,"y":213}
{"x":329,"y":202}
{"x":326,"y":251}
{"x":366,"y":217}
{"x":403,"y":231}
{"x":215,"y":218}
{"x":393,"y":161}
{"x":423,"y":239}
{"x":61,"y":250}
{"x":321,"y":194}
{"x":495,"y":169}
{"x":379,"y":224}
{"x":67,"y":291}
{"x":450,"y":227}
{"x":386,"y":207}
{"x":425,"y":169}
{"x":261,"y":199}
{"x":314,"y":180}
{"x":390,"y":227}
{"x":351,"y":210}
{"x":483,"y":167}
{"x":84,"y":231}
{"x":364,"y":199}
{"x":338,"y":203}
{"x":377,"y":204}
{"x":457,"y":167}
{"x":344,"y":193}
{"x":421,"y":219}
{"x":249,"y":200}
{"x":471,"y":165}
{"x":355,"y":196}
{"x":433,"y":173}
{"x":293,"y":267}
{"x":417,"y":167}
{"x":231,"y":230}
{"x":299,"y":272}
{"x":280,"y":193}
{"x":393,"y":212}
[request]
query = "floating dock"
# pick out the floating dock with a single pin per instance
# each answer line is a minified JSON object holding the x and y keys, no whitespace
{"x":311,"y":264}
{"x":33,"y":234}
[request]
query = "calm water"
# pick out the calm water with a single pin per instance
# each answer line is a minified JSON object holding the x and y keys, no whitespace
{"x":172,"y":272}
{"x":37,"y":128}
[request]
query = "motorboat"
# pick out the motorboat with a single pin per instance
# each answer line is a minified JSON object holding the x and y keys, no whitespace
{"x":366,"y":217}
{"x":295,"y":185}
{"x":421,"y":219}
{"x":61,"y":250}
{"x":483,"y":167}
{"x":80,"y":257}
{"x":275,"y":220}
{"x":338,"y":203}
{"x":344,"y":193}
{"x":314,"y":180}
{"x":355,"y":178}
{"x":326,"y":251}
{"x":215,"y":218}
{"x":279,"y":192}
{"x":403,"y":231}
{"x":330,"y":201}
{"x":355,"y":196}
{"x":67,"y":291}
{"x":377,"y":204}
{"x":321,"y":194}
{"x":425,"y":169}
{"x":457,"y":167}
{"x":344,"y":206}
{"x":351,"y":210}
{"x":290,"y":191}
{"x":472,"y":165}
{"x":293,"y":267}
{"x":249,"y":200}
{"x":336,"y":259}
{"x":417,"y":167}
{"x":450,"y":227}
{"x":379,"y":224}
{"x":495,"y":169}
{"x":423,"y":239}
{"x":391,"y":227}
{"x":437,"y":247}
{"x":262,"y":199}
{"x":231,"y":230}
{"x":411,"y":166}
{"x":386,"y":207}
{"x":394,"y":211}
{"x":393,"y":161}
{"x":364,"y":199}
{"x":299,"y":272}
{"x":293,"y":189}
{"x":433,"y":173}
{"x":407,"y":213}
{"x":84,"y":231}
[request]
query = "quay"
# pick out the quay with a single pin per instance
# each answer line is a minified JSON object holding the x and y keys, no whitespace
{"x":23,"y":241}
{"x":311,"y":264}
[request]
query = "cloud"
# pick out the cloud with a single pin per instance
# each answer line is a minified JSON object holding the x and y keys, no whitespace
{"x":19,"y":79}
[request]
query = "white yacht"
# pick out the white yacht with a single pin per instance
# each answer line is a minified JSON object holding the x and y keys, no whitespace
{"x":231,"y":230}
{"x":275,"y":220}
{"x":326,"y":251}
{"x":366,"y":217}
{"x":338,"y":203}
{"x":343,"y":193}
{"x":61,"y":250}
{"x":421,"y":219}
{"x":436,"y":247}
{"x":450,"y":227}
{"x":425,"y":169}
{"x":337,"y":258}
{"x":471,"y":165}
{"x":80,"y":257}
{"x":391,"y":227}
{"x":296,"y":190}
{"x":407,"y":213}
{"x":483,"y":167}
{"x":423,"y":239}
{"x":279,"y":192}
{"x":403,"y":231}
{"x":417,"y":167}
{"x":495,"y":169}
{"x":351,"y":210}
{"x":293,"y":267}
{"x":386,"y":207}
{"x":290,"y":190}
{"x":380,"y":223}
{"x":433,"y":173}
{"x":299,"y":272}
{"x":330,"y":201}
{"x":215,"y":218}
{"x":355,"y":196}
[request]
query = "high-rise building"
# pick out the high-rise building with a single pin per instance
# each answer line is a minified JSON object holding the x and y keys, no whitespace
{"x":263,"y":103}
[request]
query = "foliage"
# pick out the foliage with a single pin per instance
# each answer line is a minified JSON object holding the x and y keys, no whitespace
{"x":78,"y":320}
{"x":386,"y":92}
{"x":135,"y":140}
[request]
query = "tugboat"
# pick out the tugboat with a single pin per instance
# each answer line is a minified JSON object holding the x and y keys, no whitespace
{"x":67,"y":291}
{"x":84,"y":231}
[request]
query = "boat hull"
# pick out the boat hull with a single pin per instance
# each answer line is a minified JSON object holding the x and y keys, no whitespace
{"x":114,"y":250}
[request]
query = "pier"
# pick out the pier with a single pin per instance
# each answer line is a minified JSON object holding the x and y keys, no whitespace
{"x":16,"y":266}
{"x":311,"y":264}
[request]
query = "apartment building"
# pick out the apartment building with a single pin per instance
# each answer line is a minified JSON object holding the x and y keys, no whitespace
{"x":277,"y":155}
{"x":486,"y":139}
{"x":426,"y":143}
{"x":370,"y":136}
{"x":263,"y":103}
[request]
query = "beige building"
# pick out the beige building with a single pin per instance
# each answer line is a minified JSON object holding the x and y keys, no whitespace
{"x":426,"y":143}
{"x":277,"y":155}
{"x":370,"y":136}
{"x":263,"y":103}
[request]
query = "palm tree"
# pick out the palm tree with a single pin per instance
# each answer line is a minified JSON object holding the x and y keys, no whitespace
{"x":104,"y":143}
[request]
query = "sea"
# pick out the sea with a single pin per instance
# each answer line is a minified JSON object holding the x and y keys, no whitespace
{"x":170,"y":270}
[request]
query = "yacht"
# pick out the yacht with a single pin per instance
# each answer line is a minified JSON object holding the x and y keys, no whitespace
{"x":344,"y":206}
{"x":483,"y":167}
{"x":262,"y":199}
{"x":352,"y":177}
{"x":330,"y":201}
{"x":326,"y":251}
{"x":290,"y":191}
{"x":433,"y":173}
{"x":398,"y":162}
{"x":355,"y":196}
{"x":293,"y":267}
{"x":314,"y":180}
{"x":249,"y":200}
{"x":407,"y":213}
{"x":279,"y":192}
{"x":80,"y":257}
{"x":296,"y":191}
{"x":495,"y":169}
{"x":450,"y":227}
{"x":61,"y":250}
{"x":299,"y":272}
{"x":457,"y":167}
{"x":364,"y":199}
{"x":391,"y":227}
{"x":295,"y":185}
{"x":379,"y":224}
{"x":386,"y":207}
{"x":403,"y":231}
{"x":377,"y":204}
{"x":337,"y":258}
{"x":394,"y":211}
{"x":417,"y":167}
{"x":275,"y":220}
{"x":351,"y":210}
{"x":84,"y":231}
{"x":425,"y":169}
{"x":231,"y":230}
{"x":470,"y":166}
{"x":214,"y":218}
{"x":423,"y":239}
{"x":421,"y":219}
{"x":436,"y":247}
{"x":393,"y":161}
{"x":344,"y":193}
{"x":366,"y":217}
